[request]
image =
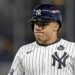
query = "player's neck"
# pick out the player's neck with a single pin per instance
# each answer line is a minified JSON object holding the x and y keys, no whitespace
{"x":52,"y":40}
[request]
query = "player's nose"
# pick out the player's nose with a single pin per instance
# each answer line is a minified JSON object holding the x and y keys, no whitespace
{"x":39,"y":27}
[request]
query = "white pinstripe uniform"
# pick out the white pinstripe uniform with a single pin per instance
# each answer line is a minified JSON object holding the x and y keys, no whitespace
{"x":33,"y":59}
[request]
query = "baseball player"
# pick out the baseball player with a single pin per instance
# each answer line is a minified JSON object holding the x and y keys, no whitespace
{"x":49,"y":54}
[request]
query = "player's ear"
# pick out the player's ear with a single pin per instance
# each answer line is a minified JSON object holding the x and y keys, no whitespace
{"x":56,"y":26}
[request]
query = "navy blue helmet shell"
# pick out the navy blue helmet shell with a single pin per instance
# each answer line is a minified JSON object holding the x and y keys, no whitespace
{"x":45,"y":13}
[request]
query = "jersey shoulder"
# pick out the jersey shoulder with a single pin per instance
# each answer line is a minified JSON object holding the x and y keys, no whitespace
{"x":69,"y":46}
{"x":68,"y":42}
{"x":25,"y":48}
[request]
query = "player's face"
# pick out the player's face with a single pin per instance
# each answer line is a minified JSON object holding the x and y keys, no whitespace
{"x":45,"y":31}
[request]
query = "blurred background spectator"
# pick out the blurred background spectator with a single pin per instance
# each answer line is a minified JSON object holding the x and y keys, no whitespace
{"x":15,"y":31}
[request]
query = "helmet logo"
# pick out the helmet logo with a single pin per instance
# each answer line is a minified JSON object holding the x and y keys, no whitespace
{"x":38,"y":12}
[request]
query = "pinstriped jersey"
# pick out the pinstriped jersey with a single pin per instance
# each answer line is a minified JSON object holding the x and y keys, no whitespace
{"x":54,"y":59}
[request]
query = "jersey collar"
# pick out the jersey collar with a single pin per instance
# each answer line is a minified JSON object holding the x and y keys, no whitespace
{"x":48,"y":44}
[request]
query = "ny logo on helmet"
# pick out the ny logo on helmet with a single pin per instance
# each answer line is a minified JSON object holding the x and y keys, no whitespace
{"x":38,"y":12}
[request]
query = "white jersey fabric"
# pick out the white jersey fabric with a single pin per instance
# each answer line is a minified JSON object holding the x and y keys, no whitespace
{"x":54,"y":59}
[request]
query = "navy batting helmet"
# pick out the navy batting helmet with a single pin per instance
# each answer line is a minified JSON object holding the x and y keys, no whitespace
{"x":45,"y":13}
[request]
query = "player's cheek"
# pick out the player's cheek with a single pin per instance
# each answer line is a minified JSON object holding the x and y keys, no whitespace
{"x":48,"y":34}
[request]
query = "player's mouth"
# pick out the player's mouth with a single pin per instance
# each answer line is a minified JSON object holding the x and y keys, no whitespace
{"x":39,"y":33}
